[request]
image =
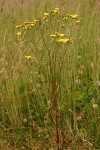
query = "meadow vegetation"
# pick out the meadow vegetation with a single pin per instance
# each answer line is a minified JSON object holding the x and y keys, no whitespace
{"x":49,"y":75}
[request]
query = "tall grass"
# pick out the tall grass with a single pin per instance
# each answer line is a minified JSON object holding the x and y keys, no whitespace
{"x":51,"y":99}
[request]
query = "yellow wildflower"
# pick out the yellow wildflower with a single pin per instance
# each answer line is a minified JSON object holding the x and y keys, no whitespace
{"x":26,"y":22}
{"x":53,"y":35}
{"x":46,"y":17}
{"x":27,"y":26}
{"x":65,"y":40}
{"x":78,"y":21}
{"x":65,"y":18}
{"x":74,"y":16}
{"x":35,"y":21}
{"x":60,"y":35}
{"x":46,"y":20}
{"x":18,"y":26}
{"x":46,"y":14}
{"x":28,"y":57}
{"x":56,"y":34}
{"x":19,"y":34}
{"x":56,"y":10}
{"x":32,"y":24}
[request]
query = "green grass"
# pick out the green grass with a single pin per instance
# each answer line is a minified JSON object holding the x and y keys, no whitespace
{"x":51,"y":100}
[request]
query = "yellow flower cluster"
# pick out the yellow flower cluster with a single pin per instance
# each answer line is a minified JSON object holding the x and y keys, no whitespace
{"x":28,"y":57}
{"x":46,"y":14}
{"x":27,"y":24}
{"x":65,"y":18}
{"x":65,"y":40}
{"x":77,"y":21}
{"x":45,"y":17}
{"x":19,"y":26}
{"x":56,"y":34}
{"x":55,"y":11}
{"x":74,"y":16}
{"x":60,"y":39}
{"x":19,"y":34}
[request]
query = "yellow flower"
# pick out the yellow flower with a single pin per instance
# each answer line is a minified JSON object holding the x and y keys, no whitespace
{"x":46,"y":14}
{"x":63,"y":40}
{"x":32,"y":24}
{"x":18,"y":26}
{"x":78,"y":21}
{"x":65,"y":18}
{"x":46,"y":20}
{"x":56,"y":10}
{"x":53,"y":35}
{"x":27,"y":26}
{"x":26,"y":22}
{"x":74,"y":16}
{"x":60,"y":35}
{"x":45,"y":17}
{"x":66,"y":40}
{"x":19,"y":34}
{"x":35,"y":21}
{"x":28,"y":57}
{"x":56,"y":34}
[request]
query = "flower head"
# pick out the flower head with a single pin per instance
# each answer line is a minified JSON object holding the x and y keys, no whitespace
{"x":56,"y":34}
{"x":18,"y":26}
{"x":46,"y":14}
{"x":56,"y":11}
{"x":78,"y":21}
{"x":28,"y":57}
{"x":53,"y":35}
{"x":45,"y":17}
{"x":74,"y":16}
{"x":19,"y":34}
{"x":35,"y":20}
{"x":26,"y":22}
{"x":65,"y":18}
{"x":65,"y":40}
{"x":32,"y":25}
